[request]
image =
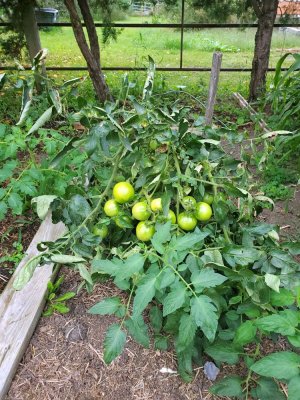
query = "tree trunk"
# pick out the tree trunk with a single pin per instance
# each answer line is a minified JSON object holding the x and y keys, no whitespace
{"x":31,"y":32}
{"x":266,"y":13}
{"x":92,"y":54}
{"x":30,"y":29}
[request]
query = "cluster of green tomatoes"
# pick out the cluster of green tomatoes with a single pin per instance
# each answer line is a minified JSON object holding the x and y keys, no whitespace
{"x":147,"y":212}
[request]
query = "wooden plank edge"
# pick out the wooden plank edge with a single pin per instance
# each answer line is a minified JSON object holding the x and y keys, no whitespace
{"x":21,"y":310}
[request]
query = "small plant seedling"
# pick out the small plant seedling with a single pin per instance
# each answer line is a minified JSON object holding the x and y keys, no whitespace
{"x":57,"y":304}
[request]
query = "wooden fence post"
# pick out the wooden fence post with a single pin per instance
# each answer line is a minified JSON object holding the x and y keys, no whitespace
{"x":213,"y":86}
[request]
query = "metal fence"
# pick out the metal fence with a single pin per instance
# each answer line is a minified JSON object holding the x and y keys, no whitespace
{"x":179,"y":26}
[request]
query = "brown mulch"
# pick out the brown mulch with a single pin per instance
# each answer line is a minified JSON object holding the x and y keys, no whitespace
{"x":13,"y":228}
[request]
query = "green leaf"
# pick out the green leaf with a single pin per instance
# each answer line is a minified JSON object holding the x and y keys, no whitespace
{"x":156,"y":318}
{"x":230,"y":386}
{"x":79,"y":208}
{"x":138,"y":330}
{"x":66,"y":259}
{"x":174,"y":300}
{"x":166,"y":278}
{"x":284,"y":323}
{"x":184,"y":361}
{"x":273,"y":281}
{"x":84,"y":273}
{"x":144,"y":294}
{"x":160,"y":342}
{"x":61,"y":308}
{"x":66,"y":296}
{"x":224,"y":352}
{"x":161,"y":236}
{"x":107,"y":306}
{"x":25,"y":274}
{"x":45,"y":117}
{"x":204,"y":314}
{"x":27,"y":186}
{"x":245,"y":333}
{"x":238,"y":255}
{"x":294,"y":388}
{"x":15,"y":203}
{"x":189,"y":240}
{"x":43,"y":204}
{"x":132,"y":265}
{"x":294,"y":340}
{"x":110,"y":267}
{"x":3,"y":210}
{"x":186,"y":333}
{"x":267,"y":389}
{"x":283,"y":298}
{"x":281,"y":365}
{"x":114,"y":343}
{"x":206,"y":278}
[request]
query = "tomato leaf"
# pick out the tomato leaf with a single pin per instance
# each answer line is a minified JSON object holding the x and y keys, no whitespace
{"x":245,"y":333}
{"x":114,"y":343}
{"x":186,"y":333}
{"x":144,"y":294}
{"x":229,"y":386}
{"x":206,"y":278}
{"x":106,"y":306}
{"x":294,"y":388}
{"x":204,"y":314}
{"x":174,"y":300}
{"x":281,"y":365}
{"x":138,"y":330}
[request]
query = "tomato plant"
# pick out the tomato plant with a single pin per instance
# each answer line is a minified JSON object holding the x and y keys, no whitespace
{"x":213,"y":289}
{"x":188,"y":203}
{"x":208,"y":198}
{"x":101,"y":231}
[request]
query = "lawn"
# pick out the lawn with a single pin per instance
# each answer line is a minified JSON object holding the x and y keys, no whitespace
{"x":163,"y":44}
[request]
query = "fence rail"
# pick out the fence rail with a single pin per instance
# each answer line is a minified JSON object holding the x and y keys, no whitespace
{"x":182,"y":26}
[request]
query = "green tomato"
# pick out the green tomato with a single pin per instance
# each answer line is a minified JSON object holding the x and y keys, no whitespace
{"x":153,"y":144}
{"x":100,"y":230}
{"x":186,"y":221}
{"x":171,"y":216}
{"x":203,"y":211}
{"x":144,"y":231}
{"x":140,"y":211}
{"x":156,"y":205}
{"x":111,"y":208}
{"x":123,"y":221}
{"x":208,"y":198}
{"x":188,"y":203}
{"x":123,"y":192}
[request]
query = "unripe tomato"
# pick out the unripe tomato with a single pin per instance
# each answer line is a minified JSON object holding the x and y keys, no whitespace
{"x":123,"y":221}
{"x":153,"y":144}
{"x":111,"y":208}
{"x":100,"y":230}
{"x":144,"y":231}
{"x":140,"y":211}
{"x":203,"y":211}
{"x":186,"y":221}
{"x":156,"y":205}
{"x":188,"y":203}
{"x":171,"y":216}
{"x":208,"y":198}
{"x":123,"y":192}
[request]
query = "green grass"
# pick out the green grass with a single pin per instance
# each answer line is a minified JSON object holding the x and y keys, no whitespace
{"x":135,"y":44}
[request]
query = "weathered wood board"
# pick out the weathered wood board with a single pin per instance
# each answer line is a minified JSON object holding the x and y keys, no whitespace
{"x":20,"y":310}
